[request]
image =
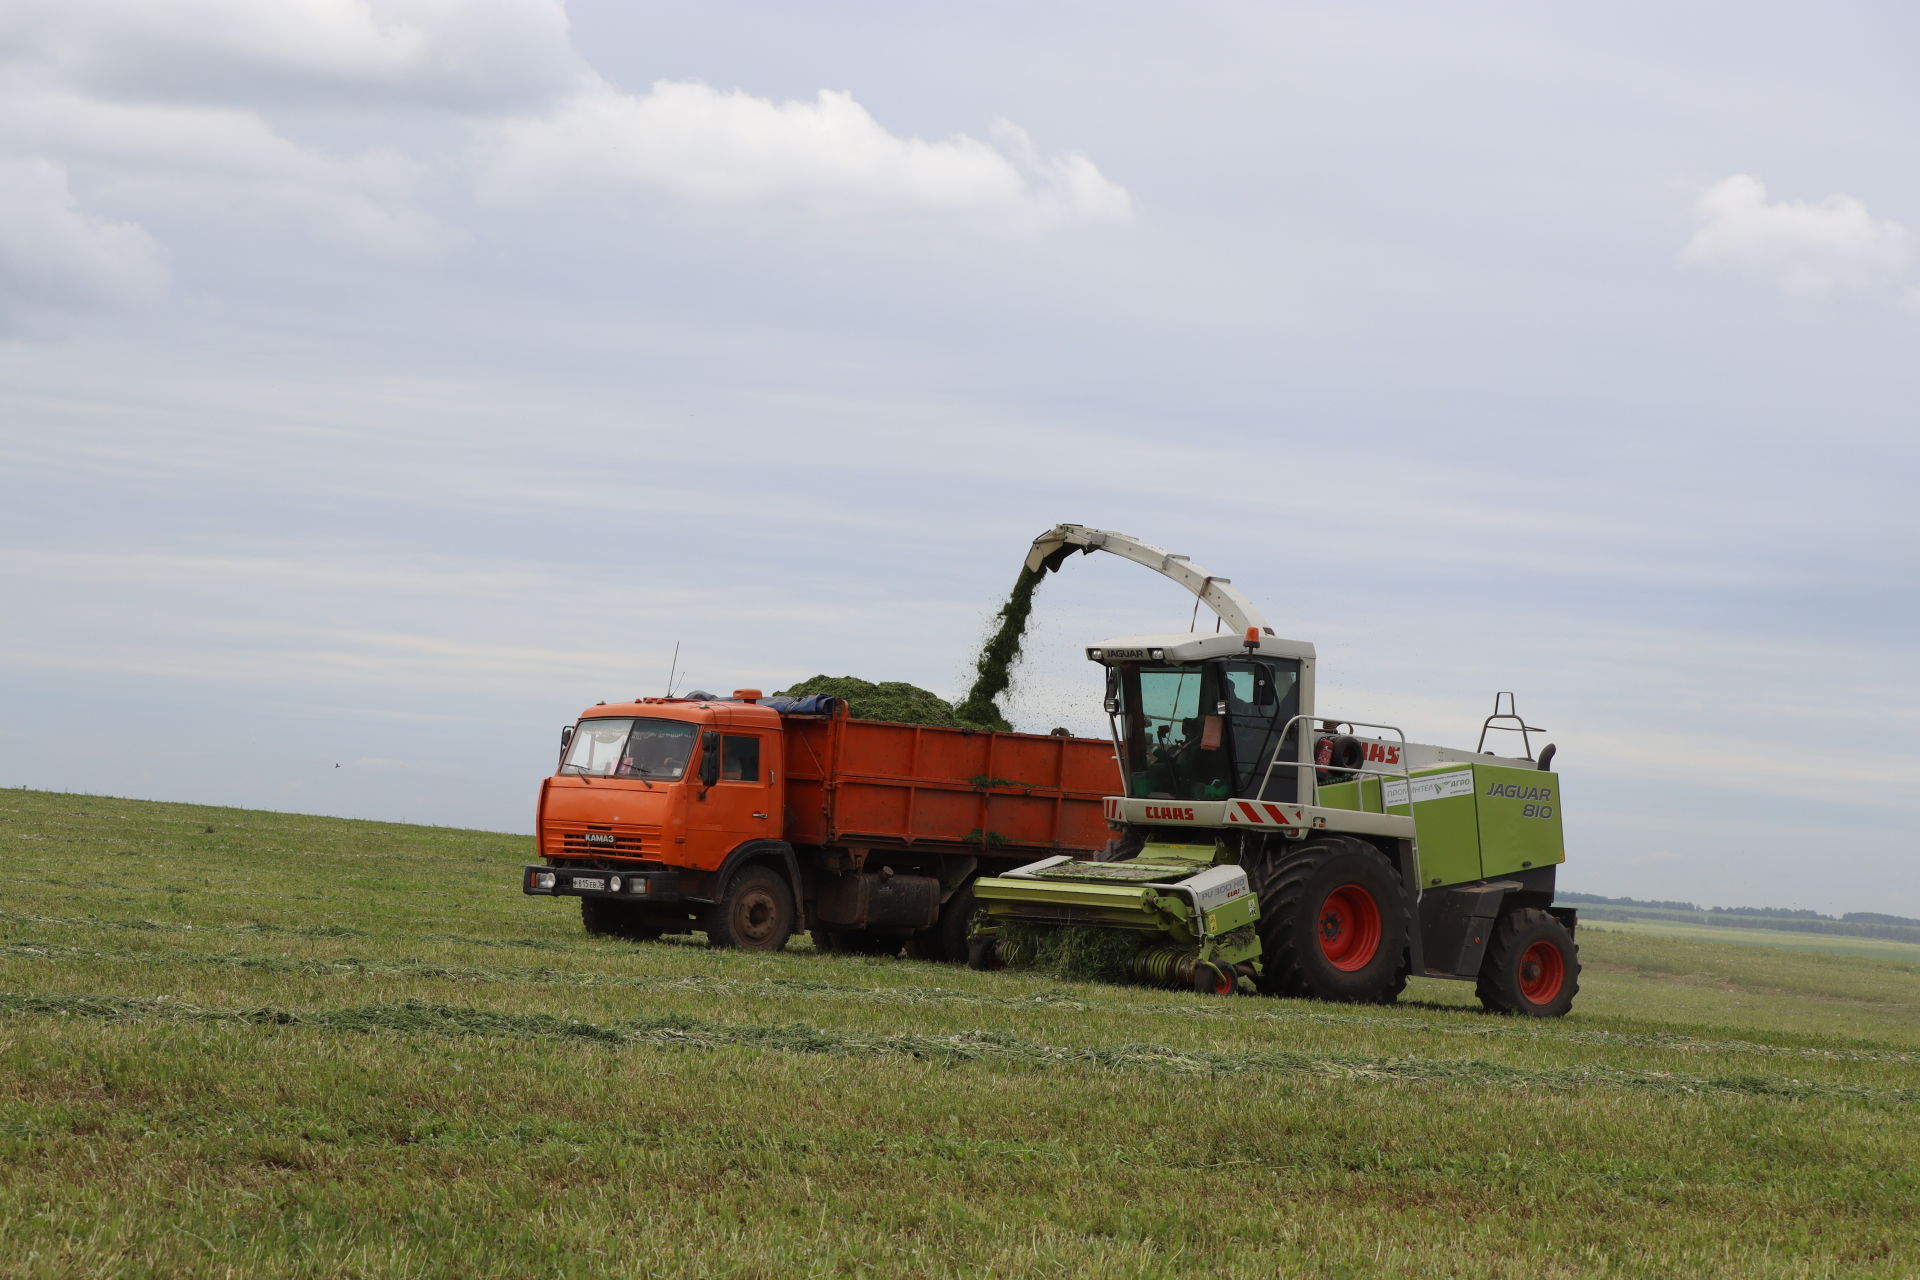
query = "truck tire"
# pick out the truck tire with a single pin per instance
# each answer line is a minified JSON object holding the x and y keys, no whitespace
{"x":607,"y":918}
{"x":984,"y":954}
{"x":1333,"y":922}
{"x":1532,"y":966}
{"x":856,"y":942}
{"x":754,"y":913}
{"x":946,"y":942}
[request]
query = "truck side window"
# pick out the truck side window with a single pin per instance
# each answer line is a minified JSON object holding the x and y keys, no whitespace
{"x":739,"y":759}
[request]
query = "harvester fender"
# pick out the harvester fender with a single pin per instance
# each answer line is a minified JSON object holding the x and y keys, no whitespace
{"x":777,"y":854}
{"x":1458,"y":922}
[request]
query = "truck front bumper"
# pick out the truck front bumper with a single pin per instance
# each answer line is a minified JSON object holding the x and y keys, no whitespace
{"x":584,"y":882}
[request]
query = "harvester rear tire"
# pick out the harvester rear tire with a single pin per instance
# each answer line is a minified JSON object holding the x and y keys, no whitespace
{"x":755,"y":913}
{"x":608,"y":918}
{"x":1333,"y":922}
{"x":1532,"y":966}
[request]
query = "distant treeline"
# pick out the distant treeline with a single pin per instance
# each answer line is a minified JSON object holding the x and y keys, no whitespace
{"x":1854,"y":924}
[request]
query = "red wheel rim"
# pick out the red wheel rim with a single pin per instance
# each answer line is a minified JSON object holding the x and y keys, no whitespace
{"x":1543,"y":971}
{"x":1350,"y":928}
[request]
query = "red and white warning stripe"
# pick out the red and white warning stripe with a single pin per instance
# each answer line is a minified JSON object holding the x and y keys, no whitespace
{"x":1260,"y":813}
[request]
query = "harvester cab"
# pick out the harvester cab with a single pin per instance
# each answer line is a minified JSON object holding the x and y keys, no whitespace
{"x":1364,"y":858}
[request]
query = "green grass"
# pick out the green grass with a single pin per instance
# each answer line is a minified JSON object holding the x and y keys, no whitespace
{"x":237,"y":1043}
{"x":1836,"y":943}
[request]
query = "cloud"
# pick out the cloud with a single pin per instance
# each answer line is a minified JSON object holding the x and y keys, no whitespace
{"x":56,"y":257}
{"x":1804,"y":248}
{"x":455,"y":54}
{"x":213,"y":163}
{"x":689,"y":140}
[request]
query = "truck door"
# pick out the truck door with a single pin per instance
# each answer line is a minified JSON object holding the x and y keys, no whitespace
{"x":743,"y":803}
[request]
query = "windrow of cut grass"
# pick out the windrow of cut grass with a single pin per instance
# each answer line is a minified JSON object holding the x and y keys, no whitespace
{"x":301,"y":1046}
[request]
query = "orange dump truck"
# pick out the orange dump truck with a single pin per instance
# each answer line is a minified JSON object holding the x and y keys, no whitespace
{"x":751,"y":817}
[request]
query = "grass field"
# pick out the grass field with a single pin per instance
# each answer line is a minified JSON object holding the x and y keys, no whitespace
{"x":246,"y":1044}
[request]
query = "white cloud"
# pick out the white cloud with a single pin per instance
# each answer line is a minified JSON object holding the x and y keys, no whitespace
{"x":829,"y":154}
{"x":56,"y":257}
{"x":462,"y":54}
{"x":1804,"y":248}
{"x":213,"y":164}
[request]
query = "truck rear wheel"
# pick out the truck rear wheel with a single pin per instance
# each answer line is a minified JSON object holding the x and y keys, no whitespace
{"x":1532,"y":966}
{"x":1333,"y":922}
{"x":755,"y":913}
{"x":856,"y":942}
{"x":608,"y":918}
{"x":947,"y":940}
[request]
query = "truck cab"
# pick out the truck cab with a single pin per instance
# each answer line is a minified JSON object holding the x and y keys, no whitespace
{"x":653,"y":802}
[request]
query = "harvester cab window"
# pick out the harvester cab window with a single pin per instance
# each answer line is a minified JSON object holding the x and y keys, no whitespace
{"x":739,"y":759}
{"x":1174,"y":739}
{"x":1262,"y":696}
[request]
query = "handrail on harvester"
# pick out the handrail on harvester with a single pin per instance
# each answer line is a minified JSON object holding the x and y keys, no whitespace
{"x":1052,"y":548}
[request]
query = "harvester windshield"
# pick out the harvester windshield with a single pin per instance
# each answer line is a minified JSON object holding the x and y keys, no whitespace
{"x":619,"y":747}
{"x":1205,"y":730}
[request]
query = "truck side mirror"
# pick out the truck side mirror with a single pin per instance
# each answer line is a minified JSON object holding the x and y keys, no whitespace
{"x":1263,"y":692}
{"x":566,"y":736}
{"x":710,"y":762}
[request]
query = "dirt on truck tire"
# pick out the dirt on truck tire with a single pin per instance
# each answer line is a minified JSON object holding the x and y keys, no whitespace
{"x":754,"y":913}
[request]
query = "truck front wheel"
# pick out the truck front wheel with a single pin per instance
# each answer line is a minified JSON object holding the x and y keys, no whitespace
{"x":754,"y":914}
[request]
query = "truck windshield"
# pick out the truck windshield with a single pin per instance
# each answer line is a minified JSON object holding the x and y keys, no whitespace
{"x":630,"y":748}
{"x":1208,"y":731}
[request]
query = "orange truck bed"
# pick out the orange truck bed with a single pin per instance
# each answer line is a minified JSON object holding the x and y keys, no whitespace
{"x":869,"y":782}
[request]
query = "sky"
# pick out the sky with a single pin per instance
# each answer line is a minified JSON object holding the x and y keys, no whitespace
{"x":384,"y":381}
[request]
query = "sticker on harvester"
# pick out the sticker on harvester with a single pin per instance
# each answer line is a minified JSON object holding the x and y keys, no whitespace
{"x":1438,"y":787}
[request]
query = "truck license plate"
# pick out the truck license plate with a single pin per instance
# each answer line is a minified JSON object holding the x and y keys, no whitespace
{"x":589,"y":882}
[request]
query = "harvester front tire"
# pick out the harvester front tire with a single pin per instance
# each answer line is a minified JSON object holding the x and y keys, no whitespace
{"x":607,"y":918}
{"x":754,"y":914}
{"x":1532,"y":966}
{"x":1333,"y":922}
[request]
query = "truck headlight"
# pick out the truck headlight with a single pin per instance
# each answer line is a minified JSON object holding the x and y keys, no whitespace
{"x":613,"y":883}
{"x":543,"y":879}
{"x":637,"y":885}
